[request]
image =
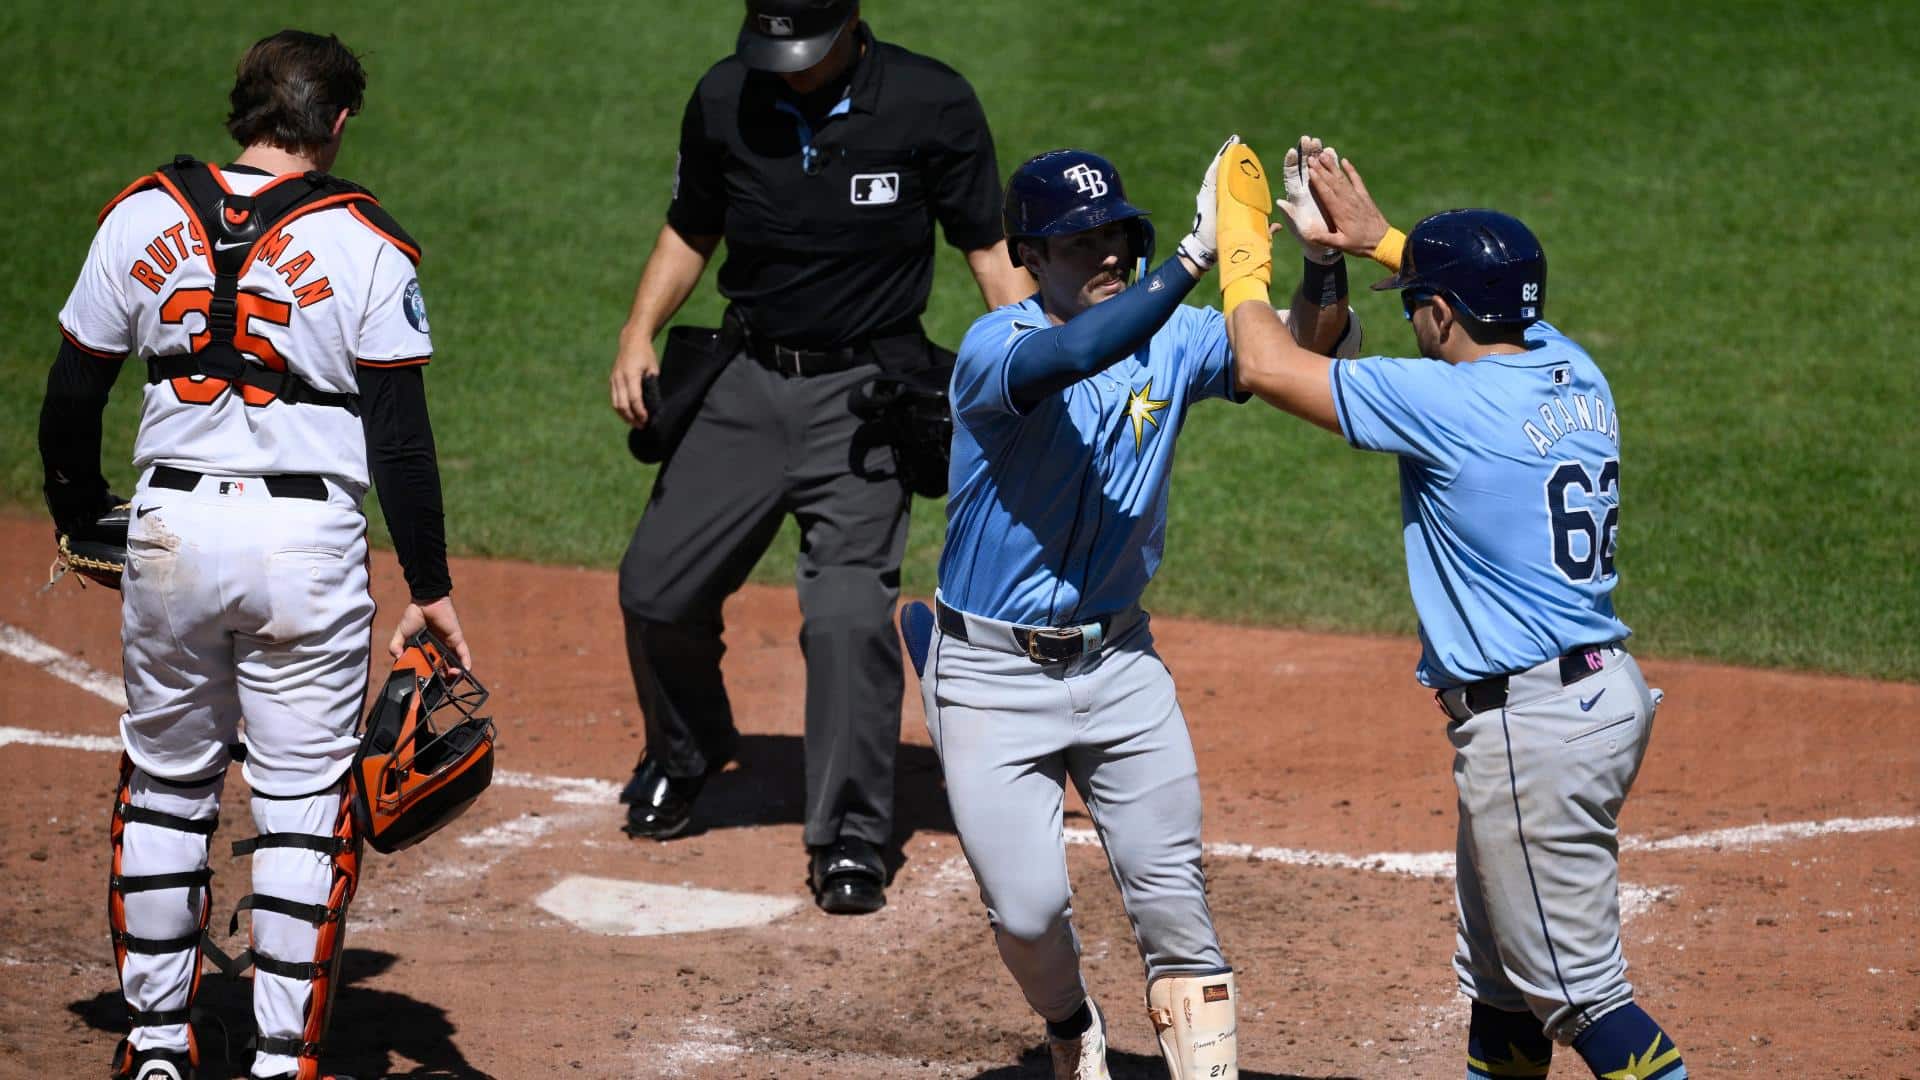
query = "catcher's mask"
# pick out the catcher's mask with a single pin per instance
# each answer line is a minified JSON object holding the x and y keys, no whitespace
{"x":411,"y":775}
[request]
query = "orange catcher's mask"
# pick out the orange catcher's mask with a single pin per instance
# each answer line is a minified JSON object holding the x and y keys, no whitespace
{"x":414,"y":774}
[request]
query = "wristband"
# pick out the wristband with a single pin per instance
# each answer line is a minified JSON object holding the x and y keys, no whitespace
{"x":1387,"y":252}
{"x":1324,"y":284}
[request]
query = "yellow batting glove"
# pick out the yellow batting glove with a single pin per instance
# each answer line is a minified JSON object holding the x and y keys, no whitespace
{"x":1246,"y":248}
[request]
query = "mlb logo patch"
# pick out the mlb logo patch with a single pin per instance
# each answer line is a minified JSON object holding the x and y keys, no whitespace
{"x":777,"y":25}
{"x":875,"y":189}
{"x":233,"y":487}
{"x":1562,"y":376}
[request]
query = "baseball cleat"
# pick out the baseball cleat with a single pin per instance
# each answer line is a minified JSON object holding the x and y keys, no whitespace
{"x":1085,"y":1056}
{"x":848,"y":877}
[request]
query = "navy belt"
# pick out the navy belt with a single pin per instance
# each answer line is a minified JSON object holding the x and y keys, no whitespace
{"x":282,"y":486}
{"x":1471,"y":699}
{"x":1042,"y":644}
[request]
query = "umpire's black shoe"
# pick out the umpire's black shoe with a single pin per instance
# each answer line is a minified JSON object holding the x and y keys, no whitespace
{"x":658,"y":805}
{"x":849,"y":878}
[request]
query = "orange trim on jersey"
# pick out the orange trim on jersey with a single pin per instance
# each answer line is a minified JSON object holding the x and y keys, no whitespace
{"x":412,"y":361}
{"x":412,"y":253}
{"x":277,"y":181}
{"x":322,"y":204}
{"x":91,"y":351}
{"x":134,"y":188}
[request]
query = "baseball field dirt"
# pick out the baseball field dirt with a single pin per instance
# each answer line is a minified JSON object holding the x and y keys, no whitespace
{"x":1772,"y":888}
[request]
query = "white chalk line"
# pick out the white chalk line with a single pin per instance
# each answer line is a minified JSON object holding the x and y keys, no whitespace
{"x":587,"y":790}
{"x":25,"y":647}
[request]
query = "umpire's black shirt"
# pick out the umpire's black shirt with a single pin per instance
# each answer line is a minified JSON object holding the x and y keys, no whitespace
{"x":827,"y":202}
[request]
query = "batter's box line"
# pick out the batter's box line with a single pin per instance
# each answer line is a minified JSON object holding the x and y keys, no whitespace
{"x":23,"y":646}
{"x":1438,"y":864}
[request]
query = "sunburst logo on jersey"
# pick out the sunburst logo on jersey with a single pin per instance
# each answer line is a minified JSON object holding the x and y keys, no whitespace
{"x":1140,"y":409}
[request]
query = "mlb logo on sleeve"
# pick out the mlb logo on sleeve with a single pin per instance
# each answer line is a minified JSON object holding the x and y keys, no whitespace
{"x":875,"y":189}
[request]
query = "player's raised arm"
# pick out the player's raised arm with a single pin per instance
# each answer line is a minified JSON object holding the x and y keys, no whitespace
{"x":1268,"y":362}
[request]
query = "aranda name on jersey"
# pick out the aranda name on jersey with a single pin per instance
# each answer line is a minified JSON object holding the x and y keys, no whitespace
{"x":1562,"y":415}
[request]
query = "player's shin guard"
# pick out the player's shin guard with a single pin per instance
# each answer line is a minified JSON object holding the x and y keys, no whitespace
{"x":1194,"y":1017}
{"x":306,"y":865}
{"x":159,"y":894}
{"x":1506,"y":1044}
{"x":1627,"y":1043}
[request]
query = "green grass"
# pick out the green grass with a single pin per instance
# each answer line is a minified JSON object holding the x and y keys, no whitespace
{"x":1726,"y":194}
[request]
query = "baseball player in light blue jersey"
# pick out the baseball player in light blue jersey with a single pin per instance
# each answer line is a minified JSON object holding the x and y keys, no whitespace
{"x":1040,"y":664}
{"x":1509,"y":450}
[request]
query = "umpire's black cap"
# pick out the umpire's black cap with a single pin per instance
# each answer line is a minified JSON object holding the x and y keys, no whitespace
{"x":790,"y":35}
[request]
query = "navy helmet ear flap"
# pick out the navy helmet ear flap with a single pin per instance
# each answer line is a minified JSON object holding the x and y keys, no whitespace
{"x":1141,"y":232}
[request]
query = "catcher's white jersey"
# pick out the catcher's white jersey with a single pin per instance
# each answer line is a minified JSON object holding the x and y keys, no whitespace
{"x":328,"y":291}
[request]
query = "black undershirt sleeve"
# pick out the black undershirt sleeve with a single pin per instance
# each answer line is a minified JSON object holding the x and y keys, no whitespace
{"x":78,"y":385}
{"x":406,"y":475}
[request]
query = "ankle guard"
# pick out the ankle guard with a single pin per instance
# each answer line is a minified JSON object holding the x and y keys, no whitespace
{"x":1194,"y":1017}
{"x":151,"y":1064}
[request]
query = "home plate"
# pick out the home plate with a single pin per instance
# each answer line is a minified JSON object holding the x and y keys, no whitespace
{"x":637,"y":909}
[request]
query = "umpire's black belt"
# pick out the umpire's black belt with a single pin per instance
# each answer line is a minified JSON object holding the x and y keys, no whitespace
{"x":1471,"y":699}
{"x":795,"y":363}
{"x":1041,"y":644}
{"x":281,"y":486}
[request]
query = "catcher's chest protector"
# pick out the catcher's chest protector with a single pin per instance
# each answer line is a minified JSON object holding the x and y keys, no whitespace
{"x":233,"y":229}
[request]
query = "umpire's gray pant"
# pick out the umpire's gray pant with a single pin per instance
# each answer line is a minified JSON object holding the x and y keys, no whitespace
{"x":763,"y":446}
{"x":1009,"y":733}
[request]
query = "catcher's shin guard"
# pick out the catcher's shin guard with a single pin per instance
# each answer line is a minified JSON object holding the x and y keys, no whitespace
{"x":159,"y":895}
{"x":306,"y":865}
{"x":1194,"y":1017}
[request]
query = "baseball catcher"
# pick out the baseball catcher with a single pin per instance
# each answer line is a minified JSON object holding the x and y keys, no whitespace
{"x":275,"y":315}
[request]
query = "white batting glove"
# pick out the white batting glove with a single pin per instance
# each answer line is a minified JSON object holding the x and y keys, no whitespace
{"x":1202,"y":245}
{"x":1297,"y":209}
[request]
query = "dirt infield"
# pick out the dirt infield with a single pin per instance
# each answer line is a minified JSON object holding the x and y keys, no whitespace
{"x":1772,"y":886}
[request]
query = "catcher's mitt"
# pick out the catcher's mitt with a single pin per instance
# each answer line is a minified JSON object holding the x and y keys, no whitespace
{"x":95,"y":549}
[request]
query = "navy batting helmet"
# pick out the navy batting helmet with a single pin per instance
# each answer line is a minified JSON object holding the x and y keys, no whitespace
{"x":1062,"y":192}
{"x":1487,"y":264}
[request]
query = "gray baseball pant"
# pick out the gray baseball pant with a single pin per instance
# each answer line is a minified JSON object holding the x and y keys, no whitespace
{"x":763,"y":446}
{"x":1009,"y":733}
{"x":1541,"y":784}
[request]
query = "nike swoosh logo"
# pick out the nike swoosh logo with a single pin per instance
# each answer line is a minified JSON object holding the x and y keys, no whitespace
{"x":218,"y":246}
{"x":1587,"y":705}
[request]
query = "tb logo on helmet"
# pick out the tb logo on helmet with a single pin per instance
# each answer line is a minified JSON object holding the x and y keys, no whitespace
{"x":1087,"y":180}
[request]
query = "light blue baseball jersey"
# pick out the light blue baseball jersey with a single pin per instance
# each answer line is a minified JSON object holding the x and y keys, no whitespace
{"x":1059,"y":516}
{"x":1509,"y":498}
